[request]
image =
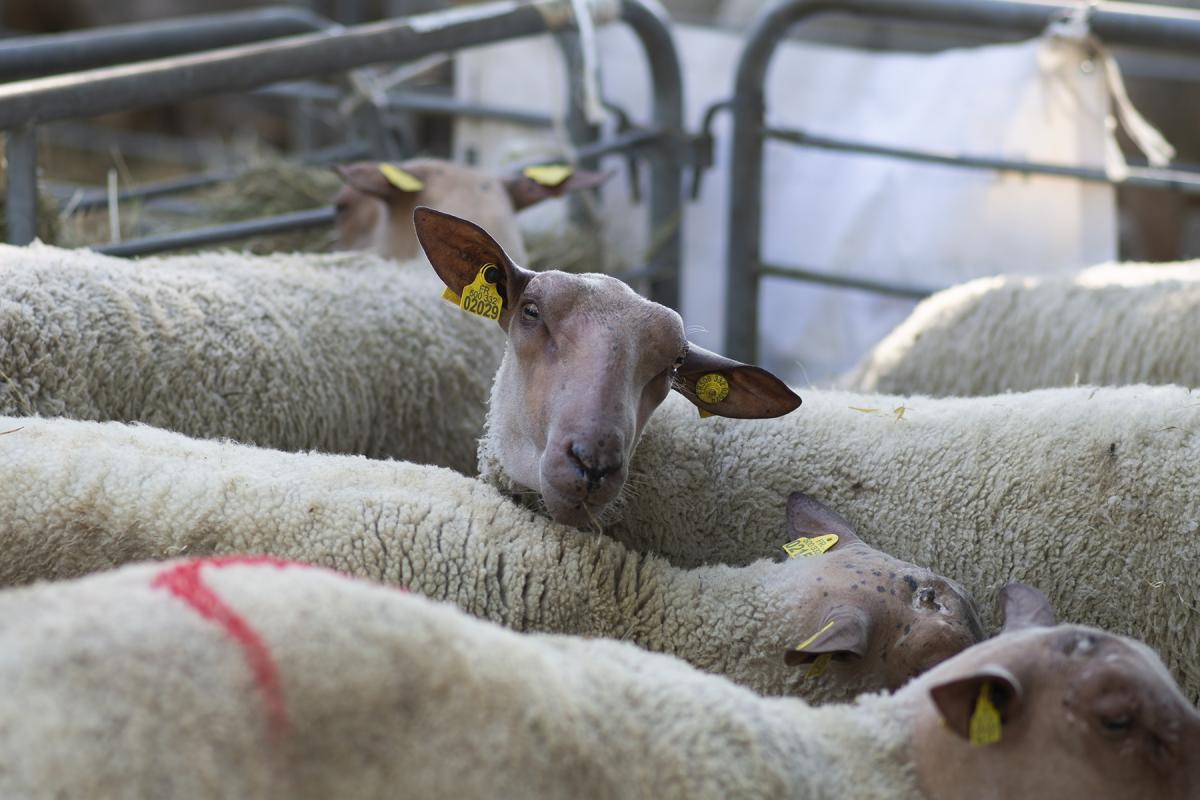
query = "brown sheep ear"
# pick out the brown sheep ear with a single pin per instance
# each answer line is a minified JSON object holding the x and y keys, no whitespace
{"x":958,"y":700}
{"x":807,"y":517}
{"x":386,"y":182}
{"x":727,"y":388}
{"x":1024,"y":607}
{"x":844,"y":631}
{"x":459,"y":250}
{"x":525,"y":191}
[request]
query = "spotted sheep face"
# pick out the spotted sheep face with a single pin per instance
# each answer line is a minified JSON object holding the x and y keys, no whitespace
{"x":1069,"y":711}
{"x":881,"y":621}
{"x":587,"y":362}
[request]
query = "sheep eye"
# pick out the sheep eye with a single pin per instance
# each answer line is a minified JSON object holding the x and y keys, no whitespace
{"x":341,"y":208}
{"x":1117,"y":726}
{"x":530,"y":311}
{"x":679,"y":362}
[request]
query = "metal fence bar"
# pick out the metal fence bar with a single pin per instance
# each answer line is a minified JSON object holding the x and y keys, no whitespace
{"x":20,"y":151}
{"x":196,"y":237}
{"x":29,"y":56}
{"x":239,"y":69}
{"x":410,"y":101}
{"x":1179,"y":180}
{"x":1115,"y":23}
{"x":649,"y":22}
{"x":891,"y":288}
{"x":95,"y":198}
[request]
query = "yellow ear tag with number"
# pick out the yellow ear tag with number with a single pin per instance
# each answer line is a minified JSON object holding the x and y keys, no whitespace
{"x":549,"y":175}
{"x":712,"y":389}
{"x":404,"y":181}
{"x":480,"y":297}
{"x":817,"y":667}
{"x":985,"y":720}
{"x":813,"y":546}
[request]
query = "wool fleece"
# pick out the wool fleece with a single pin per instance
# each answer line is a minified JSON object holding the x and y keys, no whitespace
{"x":342,"y":353}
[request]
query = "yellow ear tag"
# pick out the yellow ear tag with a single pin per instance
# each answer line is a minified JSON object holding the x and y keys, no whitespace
{"x":549,"y":175}
{"x":448,"y":294}
{"x":480,"y":297}
{"x":816,"y":668}
{"x":712,"y":388}
{"x":404,"y":181}
{"x":985,"y":720}
{"x":814,"y":546}
{"x":813,"y":638}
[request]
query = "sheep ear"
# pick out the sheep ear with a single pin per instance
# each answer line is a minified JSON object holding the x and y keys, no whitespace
{"x":541,"y":183}
{"x":370,"y":179}
{"x":843,"y":631}
{"x":727,"y":388}
{"x":807,"y":517}
{"x":958,"y":700}
{"x":459,"y":249}
{"x":1024,"y":607}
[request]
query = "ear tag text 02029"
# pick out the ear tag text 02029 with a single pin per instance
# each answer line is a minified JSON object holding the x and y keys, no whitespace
{"x":985,"y":719}
{"x":814,"y":546}
{"x":480,"y":296}
{"x":548,"y":175}
{"x":711,"y":389}
{"x":404,"y":181}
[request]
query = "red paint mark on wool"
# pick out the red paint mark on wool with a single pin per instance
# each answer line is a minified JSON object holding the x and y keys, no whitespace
{"x":185,"y":582}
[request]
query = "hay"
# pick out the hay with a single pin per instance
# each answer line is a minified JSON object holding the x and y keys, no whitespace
{"x":275,"y":186}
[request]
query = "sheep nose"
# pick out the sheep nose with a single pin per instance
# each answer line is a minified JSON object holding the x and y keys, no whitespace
{"x":591,"y":465}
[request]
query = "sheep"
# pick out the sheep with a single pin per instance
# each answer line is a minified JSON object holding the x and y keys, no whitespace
{"x":1109,"y":325}
{"x":374,"y":209}
{"x":570,"y":427}
{"x":1090,"y":492}
{"x":256,"y":678}
{"x":82,"y":496}
{"x":341,"y":352}
{"x":586,"y":362}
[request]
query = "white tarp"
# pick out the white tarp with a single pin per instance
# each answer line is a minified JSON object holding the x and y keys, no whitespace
{"x":1039,"y":100}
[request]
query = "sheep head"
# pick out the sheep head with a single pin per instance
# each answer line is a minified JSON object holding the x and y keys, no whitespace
{"x":374,"y":209}
{"x":586,"y":363}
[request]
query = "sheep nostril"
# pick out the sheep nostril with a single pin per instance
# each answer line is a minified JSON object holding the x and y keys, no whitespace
{"x":587,"y":467}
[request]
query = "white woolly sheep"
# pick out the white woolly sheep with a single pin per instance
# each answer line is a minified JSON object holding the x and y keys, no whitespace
{"x":244,"y":678}
{"x":1091,"y":493}
{"x":341,"y":353}
{"x":375,"y":207}
{"x":1108,"y":326}
{"x":78,"y":497}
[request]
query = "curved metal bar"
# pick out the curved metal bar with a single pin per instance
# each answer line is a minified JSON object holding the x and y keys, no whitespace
{"x":1115,"y":23}
{"x":238,"y":69}
{"x":649,"y":23}
{"x":30,"y":56}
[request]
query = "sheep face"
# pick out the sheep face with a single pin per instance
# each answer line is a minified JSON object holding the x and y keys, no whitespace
{"x":871,"y":620}
{"x":587,"y":361}
{"x":375,"y":207}
{"x":1063,"y":711}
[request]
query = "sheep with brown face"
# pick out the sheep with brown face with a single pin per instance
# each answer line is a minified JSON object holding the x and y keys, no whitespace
{"x":587,"y":362}
{"x":375,"y":207}
{"x":250,"y":677}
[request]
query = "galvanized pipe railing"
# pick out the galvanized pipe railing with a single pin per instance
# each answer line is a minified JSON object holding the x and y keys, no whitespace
{"x":1114,"y":23}
{"x":32,"y":56}
{"x":25,"y":104}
